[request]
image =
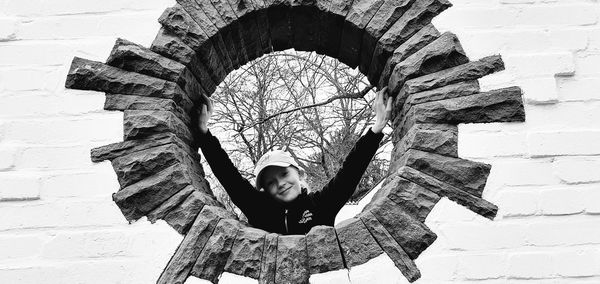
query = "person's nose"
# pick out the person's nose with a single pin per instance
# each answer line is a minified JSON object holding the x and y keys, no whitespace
{"x":280,"y":182}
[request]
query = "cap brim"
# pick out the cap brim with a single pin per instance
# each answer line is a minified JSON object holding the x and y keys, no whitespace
{"x":259,"y":170}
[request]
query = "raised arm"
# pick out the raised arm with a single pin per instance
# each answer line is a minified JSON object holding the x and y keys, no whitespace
{"x":240,"y":190}
{"x":341,"y":187}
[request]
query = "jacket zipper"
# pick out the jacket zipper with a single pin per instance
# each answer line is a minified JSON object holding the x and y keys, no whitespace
{"x":285,"y":220}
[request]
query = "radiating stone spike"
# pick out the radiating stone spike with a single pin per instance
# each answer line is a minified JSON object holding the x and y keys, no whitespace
{"x":139,"y":124}
{"x":357,"y":244}
{"x":323,"y":250}
{"x":292,"y":260}
{"x":246,"y":253}
{"x":211,"y":261}
{"x":358,"y":17}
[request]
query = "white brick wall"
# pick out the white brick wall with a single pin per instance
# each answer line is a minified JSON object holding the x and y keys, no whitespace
{"x":59,"y":225}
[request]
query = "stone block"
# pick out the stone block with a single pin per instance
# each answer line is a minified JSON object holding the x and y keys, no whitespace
{"x":357,"y":19}
{"x":195,"y":11}
{"x":292,"y":260}
{"x":466,"y":72}
{"x":466,"y":175}
{"x":127,"y":102}
{"x":140,"y":198}
{"x":262,"y":21}
{"x":246,"y":13}
{"x":332,"y":25}
{"x":167,"y":44}
{"x":115,"y":150}
{"x":419,"y":40}
{"x":503,"y":105}
{"x":305,"y":19}
{"x":413,"y":198}
{"x":412,"y":235}
{"x":232,"y":27}
{"x":406,"y":265}
{"x":280,"y":22}
{"x":435,"y":138}
{"x":456,"y":90}
{"x":389,"y":12}
{"x":133,"y":57}
{"x":246,"y":253}
{"x":357,"y":244}
{"x":91,"y":75}
{"x":230,"y":35}
{"x":269,"y":260}
{"x":475,"y":204}
{"x":323,"y":250}
{"x":414,"y":19}
{"x":177,"y":20}
{"x":143,"y":123}
{"x":443,"y":53}
{"x":211,"y":261}
{"x":181,"y":217}
{"x":181,"y":263}
{"x":136,"y":166}
{"x":170,"y":204}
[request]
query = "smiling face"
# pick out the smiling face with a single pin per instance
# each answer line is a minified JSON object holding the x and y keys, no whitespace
{"x":281,"y":183}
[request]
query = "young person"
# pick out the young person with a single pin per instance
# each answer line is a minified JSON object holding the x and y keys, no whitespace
{"x":280,"y":202}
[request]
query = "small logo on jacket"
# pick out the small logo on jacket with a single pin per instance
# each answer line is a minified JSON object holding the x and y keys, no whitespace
{"x":306,"y":216}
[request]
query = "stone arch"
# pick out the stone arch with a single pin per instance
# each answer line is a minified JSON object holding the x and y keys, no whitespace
{"x":391,"y":41}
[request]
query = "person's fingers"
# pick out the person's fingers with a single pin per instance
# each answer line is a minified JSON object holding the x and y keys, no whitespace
{"x":388,"y":109}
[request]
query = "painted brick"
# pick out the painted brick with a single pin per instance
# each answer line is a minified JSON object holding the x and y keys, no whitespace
{"x":99,"y":183}
{"x":558,"y":143}
{"x":484,"y":235}
{"x":577,"y":169}
{"x":517,"y":201}
{"x":563,"y":231}
{"x":578,"y":88}
{"x":492,"y":144}
{"x":561,"y":201}
{"x":532,"y":265}
{"x":577,"y":262}
{"x":21,"y":246}
{"x":22,"y":186}
{"x":522,"y":172}
{"x":482,"y":266}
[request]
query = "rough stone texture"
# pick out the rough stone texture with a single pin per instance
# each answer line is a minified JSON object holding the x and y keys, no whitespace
{"x":135,"y":166}
{"x":182,"y":216}
{"x":406,"y":229}
{"x":143,"y":123}
{"x":140,"y":198}
{"x":246,"y":253}
{"x":245,"y":11}
{"x":173,"y":202}
{"x":444,"y":52}
{"x":391,"y":247}
{"x":229,"y":33}
{"x":386,"y":16}
{"x":194,"y":10}
{"x":262,"y":21}
{"x":459,"y":89}
{"x":414,"y":19}
{"x":503,"y":105}
{"x":179,"y":267}
{"x":466,"y":72}
{"x":464,"y":174}
{"x":279,"y":15}
{"x":269,"y":260}
{"x":332,"y":25}
{"x":357,"y":244}
{"x":413,"y":198}
{"x":436,"y":138}
{"x":305,"y":19}
{"x":211,"y":262}
{"x":167,"y":44}
{"x":357,"y":19}
{"x":126,"y":102}
{"x":233,"y":27}
{"x":91,"y":75}
{"x":419,"y":40}
{"x":132,"y":57}
{"x":323,"y":250}
{"x":112,"y":151}
{"x":177,"y":20}
{"x":475,"y":204}
{"x":292,"y":260}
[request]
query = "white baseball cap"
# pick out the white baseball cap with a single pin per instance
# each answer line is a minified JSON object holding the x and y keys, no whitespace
{"x":273,"y":158}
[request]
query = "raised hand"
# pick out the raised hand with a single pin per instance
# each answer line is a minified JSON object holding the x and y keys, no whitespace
{"x":204,"y":114}
{"x":383,"y":110}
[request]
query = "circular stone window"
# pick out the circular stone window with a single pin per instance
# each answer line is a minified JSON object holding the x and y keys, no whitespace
{"x":433,"y":82}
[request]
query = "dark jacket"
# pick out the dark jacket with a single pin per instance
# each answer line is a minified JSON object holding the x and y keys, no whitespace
{"x":306,"y":211}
